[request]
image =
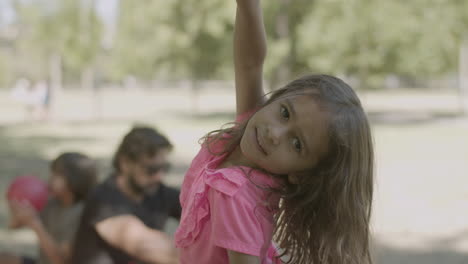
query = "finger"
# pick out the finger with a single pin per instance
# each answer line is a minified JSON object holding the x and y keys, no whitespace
{"x":16,"y":205}
{"x":24,"y":202}
{"x":19,"y":203}
{"x":13,"y":223}
{"x":13,"y":206}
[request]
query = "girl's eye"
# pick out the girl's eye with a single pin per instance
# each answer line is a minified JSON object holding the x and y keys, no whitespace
{"x":284,"y":112}
{"x":297,"y":144}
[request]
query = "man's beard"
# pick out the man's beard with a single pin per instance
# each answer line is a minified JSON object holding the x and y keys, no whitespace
{"x":138,"y":189}
{"x":134,"y":186}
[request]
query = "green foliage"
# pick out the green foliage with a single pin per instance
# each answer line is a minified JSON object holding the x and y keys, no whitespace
{"x":5,"y":71}
{"x":173,"y":39}
{"x":192,"y":39}
{"x":68,"y":28}
{"x":373,"y":38}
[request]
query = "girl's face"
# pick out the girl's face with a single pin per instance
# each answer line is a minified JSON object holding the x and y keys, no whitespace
{"x":58,"y":185}
{"x":288,"y":135}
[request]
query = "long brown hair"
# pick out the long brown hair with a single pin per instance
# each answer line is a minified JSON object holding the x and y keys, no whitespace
{"x":79,"y":171}
{"x":324,"y":218}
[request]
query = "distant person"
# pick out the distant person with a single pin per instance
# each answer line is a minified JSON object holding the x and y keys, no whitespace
{"x":36,"y":98}
{"x":43,"y":93}
{"x":123,"y":217}
{"x":72,"y":176}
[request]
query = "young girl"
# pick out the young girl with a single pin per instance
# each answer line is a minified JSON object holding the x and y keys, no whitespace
{"x":297,"y":167}
{"x":72,"y":177}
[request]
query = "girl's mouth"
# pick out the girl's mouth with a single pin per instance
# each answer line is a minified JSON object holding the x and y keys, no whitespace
{"x":259,"y":145}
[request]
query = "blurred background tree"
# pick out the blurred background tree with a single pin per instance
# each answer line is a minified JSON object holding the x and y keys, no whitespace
{"x":148,"y":40}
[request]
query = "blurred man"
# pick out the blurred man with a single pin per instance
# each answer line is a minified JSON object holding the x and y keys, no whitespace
{"x":122,"y":217}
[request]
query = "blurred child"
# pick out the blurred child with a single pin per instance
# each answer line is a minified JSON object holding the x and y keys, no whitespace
{"x":72,"y":176}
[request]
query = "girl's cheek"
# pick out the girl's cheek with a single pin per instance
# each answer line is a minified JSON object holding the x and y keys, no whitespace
{"x":57,"y":186}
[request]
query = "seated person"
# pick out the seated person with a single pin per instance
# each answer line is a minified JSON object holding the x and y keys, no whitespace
{"x":72,"y":177}
{"x":123,"y":216}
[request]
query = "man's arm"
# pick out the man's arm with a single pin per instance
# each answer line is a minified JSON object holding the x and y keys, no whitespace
{"x":130,"y":235}
{"x":249,"y":54}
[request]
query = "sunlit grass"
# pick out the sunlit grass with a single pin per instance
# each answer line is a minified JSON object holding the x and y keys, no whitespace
{"x":422,"y":155}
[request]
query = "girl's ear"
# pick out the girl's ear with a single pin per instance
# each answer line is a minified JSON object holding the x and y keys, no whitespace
{"x":293,"y":178}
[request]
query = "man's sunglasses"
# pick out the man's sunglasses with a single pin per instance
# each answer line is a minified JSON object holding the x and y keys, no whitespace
{"x":153,"y":169}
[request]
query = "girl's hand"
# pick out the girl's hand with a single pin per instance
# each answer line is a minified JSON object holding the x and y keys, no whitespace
{"x":23,"y":214}
{"x":14,"y":223}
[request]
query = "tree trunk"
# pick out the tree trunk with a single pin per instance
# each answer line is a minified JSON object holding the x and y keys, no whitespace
{"x":282,"y":73}
{"x":55,"y":84}
{"x":87,"y":79}
{"x":463,"y":77}
{"x":195,"y":95}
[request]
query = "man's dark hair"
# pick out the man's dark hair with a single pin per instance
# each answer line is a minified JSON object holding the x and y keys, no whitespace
{"x":140,"y":142}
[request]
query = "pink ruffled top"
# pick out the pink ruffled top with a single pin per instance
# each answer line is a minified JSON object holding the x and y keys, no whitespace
{"x":224,"y":209}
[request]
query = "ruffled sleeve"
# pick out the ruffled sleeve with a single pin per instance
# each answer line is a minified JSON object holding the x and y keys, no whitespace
{"x":242,"y":222}
{"x":209,"y":193}
{"x":200,"y":178}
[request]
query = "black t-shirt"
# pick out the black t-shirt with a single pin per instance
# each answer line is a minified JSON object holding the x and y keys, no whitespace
{"x":108,"y":201}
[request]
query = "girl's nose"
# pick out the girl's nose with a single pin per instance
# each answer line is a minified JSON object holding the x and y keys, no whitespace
{"x":275,"y":132}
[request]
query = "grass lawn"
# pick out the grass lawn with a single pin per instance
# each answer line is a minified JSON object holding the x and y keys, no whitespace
{"x":421,"y":194}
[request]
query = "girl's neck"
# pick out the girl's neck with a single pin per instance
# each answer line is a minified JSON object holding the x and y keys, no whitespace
{"x":66,"y":200}
{"x":236,"y":158}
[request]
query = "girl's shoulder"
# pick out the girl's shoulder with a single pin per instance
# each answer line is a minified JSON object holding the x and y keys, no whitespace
{"x":242,"y":185}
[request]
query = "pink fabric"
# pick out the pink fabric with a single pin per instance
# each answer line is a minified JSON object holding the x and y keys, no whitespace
{"x":224,"y":210}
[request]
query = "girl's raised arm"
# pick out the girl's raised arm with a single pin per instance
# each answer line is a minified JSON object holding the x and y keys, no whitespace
{"x":249,"y":54}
